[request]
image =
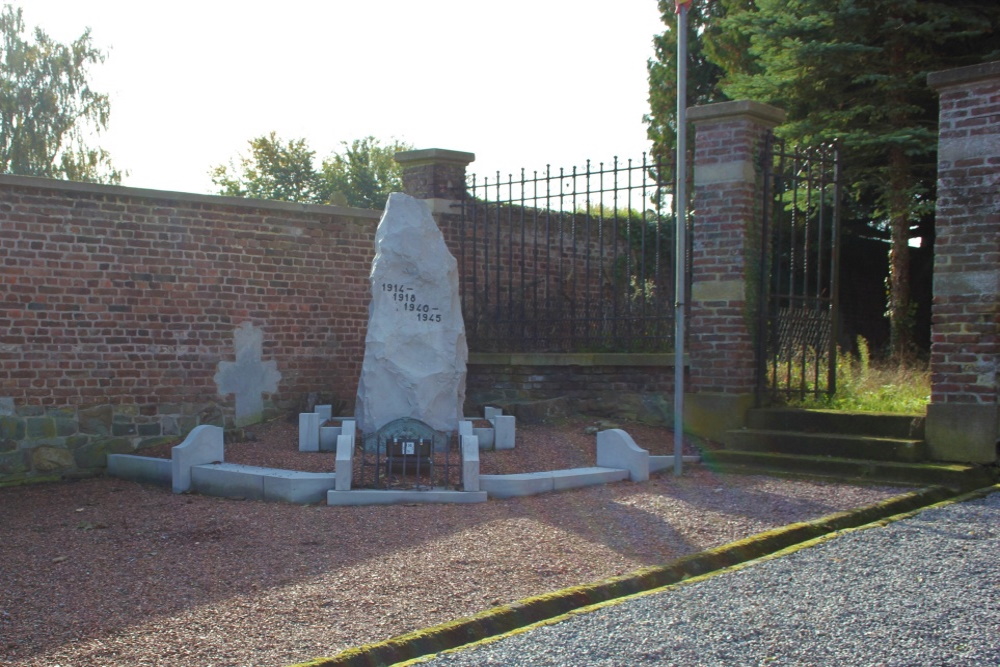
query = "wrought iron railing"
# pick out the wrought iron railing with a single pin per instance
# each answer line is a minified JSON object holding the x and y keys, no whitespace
{"x":570,"y":261}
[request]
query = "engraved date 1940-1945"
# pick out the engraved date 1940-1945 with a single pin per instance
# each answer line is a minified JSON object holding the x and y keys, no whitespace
{"x":408,"y":301}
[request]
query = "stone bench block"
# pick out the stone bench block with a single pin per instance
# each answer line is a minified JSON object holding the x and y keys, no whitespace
{"x":204,"y":444}
{"x":578,"y":477}
{"x":145,"y":469}
{"x":389,"y":497}
{"x":511,"y":486}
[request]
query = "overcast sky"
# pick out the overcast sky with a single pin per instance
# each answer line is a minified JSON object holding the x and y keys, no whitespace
{"x":520,"y":83}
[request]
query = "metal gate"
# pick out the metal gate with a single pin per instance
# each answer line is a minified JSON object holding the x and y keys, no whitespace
{"x":797,"y":309}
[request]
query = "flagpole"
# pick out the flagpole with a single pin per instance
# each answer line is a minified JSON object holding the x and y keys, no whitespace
{"x":680,"y":206}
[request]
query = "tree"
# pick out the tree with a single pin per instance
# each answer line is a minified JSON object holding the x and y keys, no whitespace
{"x":275,"y":169}
{"x":362,"y":175}
{"x":366,"y":172}
{"x":47,"y":107}
{"x":854,"y":71}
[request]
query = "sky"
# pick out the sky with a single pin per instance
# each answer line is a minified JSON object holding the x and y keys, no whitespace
{"x":519,"y":83}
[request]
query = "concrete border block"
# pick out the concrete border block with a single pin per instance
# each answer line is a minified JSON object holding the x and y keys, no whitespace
{"x":228,"y":480}
{"x":504,"y":427}
{"x":344,"y":463}
{"x":328,"y":438}
{"x":617,"y":449}
{"x":511,"y":486}
{"x":144,"y":469}
{"x":484,"y":436}
{"x":204,"y":444}
{"x":293,"y":486}
{"x":574,"y":478}
{"x":309,"y":432}
{"x":325,"y":412}
{"x":465,"y":427}
{"x":470,"y":463}
{"x":489,"y":412}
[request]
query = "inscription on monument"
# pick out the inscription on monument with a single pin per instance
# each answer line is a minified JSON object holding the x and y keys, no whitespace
{"x":408,"y":300}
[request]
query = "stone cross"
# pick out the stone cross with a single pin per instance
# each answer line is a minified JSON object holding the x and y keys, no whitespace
{"x":249,"y":376}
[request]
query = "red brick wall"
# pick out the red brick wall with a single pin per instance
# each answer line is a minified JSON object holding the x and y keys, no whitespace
{"x":119,"y":304}
{"x":965,"y":345}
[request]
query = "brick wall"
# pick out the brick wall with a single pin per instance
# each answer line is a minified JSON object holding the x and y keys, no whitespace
{"x":119,"y":305}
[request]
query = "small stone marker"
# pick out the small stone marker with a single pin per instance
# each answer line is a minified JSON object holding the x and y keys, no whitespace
{"x":415,"y":351}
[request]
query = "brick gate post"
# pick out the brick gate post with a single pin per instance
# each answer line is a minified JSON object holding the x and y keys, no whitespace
{"x":963,"y":418}
{"x":725,"y":244}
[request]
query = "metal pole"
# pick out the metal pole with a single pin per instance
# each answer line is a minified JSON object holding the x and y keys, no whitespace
{"x":680,"y":260}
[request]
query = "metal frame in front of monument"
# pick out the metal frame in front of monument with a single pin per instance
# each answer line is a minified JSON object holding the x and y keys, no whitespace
{"x":408,"y":454}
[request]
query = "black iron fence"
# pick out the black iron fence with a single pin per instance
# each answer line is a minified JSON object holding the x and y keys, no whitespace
{"x":577,"y":260}
{"x":798,"y":308}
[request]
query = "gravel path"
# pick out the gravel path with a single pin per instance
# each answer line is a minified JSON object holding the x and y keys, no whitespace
{"x":108,"y":573}
{"x":921,"y":591}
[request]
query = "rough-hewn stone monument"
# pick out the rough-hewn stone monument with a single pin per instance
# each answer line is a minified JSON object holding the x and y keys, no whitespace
{"x":415,"y":350}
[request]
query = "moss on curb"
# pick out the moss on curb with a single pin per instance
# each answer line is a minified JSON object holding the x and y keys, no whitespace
{"x":508,"y":618}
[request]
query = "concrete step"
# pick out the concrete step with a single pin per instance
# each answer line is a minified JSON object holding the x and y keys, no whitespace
{"x":876,"y":424}
{"x":826,"y":444}
{"x":960,"y":477}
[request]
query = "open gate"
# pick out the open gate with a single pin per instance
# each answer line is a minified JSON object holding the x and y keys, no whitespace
{"x":797,"y":309}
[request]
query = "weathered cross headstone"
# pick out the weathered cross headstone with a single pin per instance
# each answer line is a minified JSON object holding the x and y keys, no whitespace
{"x":249,"y":376}
{"x":415,"y":351}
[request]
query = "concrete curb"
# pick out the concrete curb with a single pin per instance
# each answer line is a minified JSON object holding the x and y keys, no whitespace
{"x":508,"y":618}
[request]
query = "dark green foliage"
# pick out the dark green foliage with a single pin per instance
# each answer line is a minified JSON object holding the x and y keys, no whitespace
{"x":47,"y":106}
{"x":851,"y":71}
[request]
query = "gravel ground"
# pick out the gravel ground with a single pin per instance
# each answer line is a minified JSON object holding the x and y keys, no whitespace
{"x":104,"y":572}
{"x":921,"y":591}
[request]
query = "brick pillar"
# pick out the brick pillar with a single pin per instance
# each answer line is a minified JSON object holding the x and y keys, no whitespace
{"x":724,"y":246}
{"x":963,"y":419}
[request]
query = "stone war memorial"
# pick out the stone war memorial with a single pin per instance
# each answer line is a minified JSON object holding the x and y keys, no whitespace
{"x":415,"y":350}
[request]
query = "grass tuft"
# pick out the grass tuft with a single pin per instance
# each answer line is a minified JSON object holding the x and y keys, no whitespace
{"x":867,"y":386}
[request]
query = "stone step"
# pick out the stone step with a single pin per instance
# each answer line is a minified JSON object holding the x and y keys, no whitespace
{"x":826,"y":444}
{"x":960,"y":477}
{"x":876,"y":424}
